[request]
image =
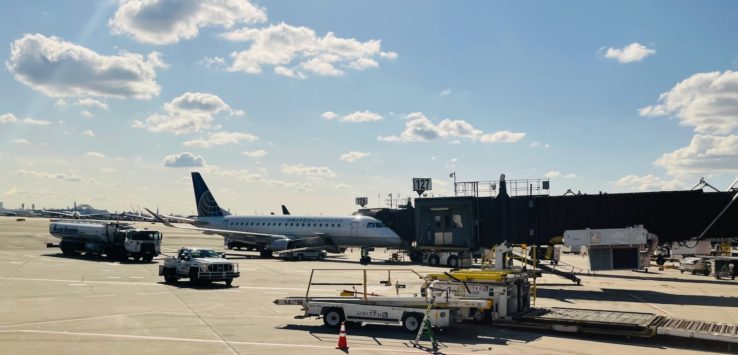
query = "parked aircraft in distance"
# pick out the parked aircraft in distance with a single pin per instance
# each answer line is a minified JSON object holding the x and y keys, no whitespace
{"x":274,"y":233}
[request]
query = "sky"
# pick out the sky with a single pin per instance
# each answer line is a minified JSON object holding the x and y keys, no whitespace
{"x":313,"y":103}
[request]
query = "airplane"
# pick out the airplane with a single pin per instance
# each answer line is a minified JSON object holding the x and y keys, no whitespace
{"x":75,"y":213}
{"x":285,"y":211}
{"x":274,"y":233}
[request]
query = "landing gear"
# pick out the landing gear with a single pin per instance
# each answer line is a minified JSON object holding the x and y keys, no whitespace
{"x":365,"y":258}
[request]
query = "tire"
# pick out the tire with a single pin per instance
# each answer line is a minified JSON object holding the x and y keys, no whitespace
{"x":148,"y":258}
{"x":452,"y":262}
{"x":332,"y":317}
{"x":228,"y":282}
{"x":194,"y":280}
{"x":412,"y":322}
{"x":481,"y":316}
{"x":433,"y":260}
{"x":137,"y":257}
{"x":230,"y":246}
{"x":300,"y":257}
{"x":170,"y":279}
{"x":321,"y":257}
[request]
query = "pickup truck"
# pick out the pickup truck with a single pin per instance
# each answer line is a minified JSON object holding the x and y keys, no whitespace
{"x":200,"y":265}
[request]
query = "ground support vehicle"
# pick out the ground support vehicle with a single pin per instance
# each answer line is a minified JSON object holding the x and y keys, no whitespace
{"x":444,"y":257}
{"x":199,"y":265}
{"x":694,"y":265}
{"x":453,"y":303}
{"x":303,"y":254}
{"x":116,"y":240}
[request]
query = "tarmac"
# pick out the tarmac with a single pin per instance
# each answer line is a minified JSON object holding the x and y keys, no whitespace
{"x":51,"y":303}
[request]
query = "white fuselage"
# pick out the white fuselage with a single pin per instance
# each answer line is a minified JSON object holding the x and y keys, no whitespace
{"x":353,"y":231}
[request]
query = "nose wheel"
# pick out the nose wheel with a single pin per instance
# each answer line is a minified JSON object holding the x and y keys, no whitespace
{"x":365,"y":258}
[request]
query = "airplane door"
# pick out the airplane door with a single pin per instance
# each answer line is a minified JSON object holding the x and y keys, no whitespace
{"x":354,"y":228}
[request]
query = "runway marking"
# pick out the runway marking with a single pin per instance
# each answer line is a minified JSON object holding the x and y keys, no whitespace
{"x":74,"y":319}
{"x":95,"y":296}
{"x":135,"y":277}
{"x":112,"y":277}
{"x":15,"y":262}
{"x":37,"y":299}
{"x":208,"y":341}
{"x":77,"y":283}
{"x":653,"y":306}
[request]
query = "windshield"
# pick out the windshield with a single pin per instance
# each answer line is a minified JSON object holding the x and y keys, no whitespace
{"x":148,"y":235}
{"x":204,"y":253}
{"x":378,"y":225}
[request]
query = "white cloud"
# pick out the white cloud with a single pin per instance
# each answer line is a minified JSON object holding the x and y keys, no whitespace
{"x":47,"y":175}
{"x":648,"y":183}
{"x":188,"y":113}
{"x":258,"y":177}
{"x":8,"y":118}
{"x":87,"y":114}
{"x":362,"y":116}
{"x":328,"y":115}
{"x":634,"y":52}
{"x":183,"y":160}
{"x":259,"y":153}
{"x":298,"y":50}
{"x":315,"y":171}
{"x":107,"y":170}
{"x":88,"y":102}
{"x":59,"y":68}
{"x":221,"y":138}
{"x":706,"y":101}
{"x":21,"y":141}
{"x":539,"y":145}
{"x":89,"y":133}
{"x":213,"y":63}
{"x":445,"y":92}
{"x":169,"y":21}
{"x":420,"y":128}
{"x":705,"y":155}
{"x":555,"y":174}
{"x":356,"y":117}
{"x":353,"y":156}
{"x":94,"y":155}
{"x":343,"y":186}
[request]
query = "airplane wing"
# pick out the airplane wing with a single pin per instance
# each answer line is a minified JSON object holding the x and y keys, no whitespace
{"x":224,"y":232}
{"x":94,"y":215}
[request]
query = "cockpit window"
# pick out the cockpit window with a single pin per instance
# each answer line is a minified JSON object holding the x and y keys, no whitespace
{"x":378,"y":225}
{"x":370,"y":225}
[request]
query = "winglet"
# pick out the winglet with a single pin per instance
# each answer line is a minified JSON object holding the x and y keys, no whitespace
{"x":158,"y":218}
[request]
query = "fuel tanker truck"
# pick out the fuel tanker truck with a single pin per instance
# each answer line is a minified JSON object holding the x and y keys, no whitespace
{"x":116,"y":240}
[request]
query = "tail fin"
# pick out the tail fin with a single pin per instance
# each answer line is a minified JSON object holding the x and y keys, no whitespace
{"x":285,"y":211}
{"x":204,"y":200}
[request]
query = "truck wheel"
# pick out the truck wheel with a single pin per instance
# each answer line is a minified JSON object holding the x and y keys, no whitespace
{"x":332,"y":318}
{"x":194,"y":280}
{"x":137,"y":257}
{"x":170,"y":279}
{"x":452,"y":262}
{"x":148,"y":258}
{"x":228,"y":282}
{"x":412,"y":322}
{"x":433,"y":260}
{"x":480,"y":315}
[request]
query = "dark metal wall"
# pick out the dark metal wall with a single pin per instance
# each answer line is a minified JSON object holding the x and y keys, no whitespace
{"x":671,"y":215}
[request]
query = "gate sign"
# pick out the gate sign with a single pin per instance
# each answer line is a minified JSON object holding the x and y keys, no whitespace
{"x":362,"y":201}
{"x":421,"y":185}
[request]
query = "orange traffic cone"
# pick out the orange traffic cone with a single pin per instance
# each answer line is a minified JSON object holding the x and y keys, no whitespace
{"x":342,"y":342}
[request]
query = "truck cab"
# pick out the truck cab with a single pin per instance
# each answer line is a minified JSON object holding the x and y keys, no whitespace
{"x":199,"y":265}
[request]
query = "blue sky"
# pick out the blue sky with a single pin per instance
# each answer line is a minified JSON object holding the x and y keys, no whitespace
{"x":313,"y":103}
